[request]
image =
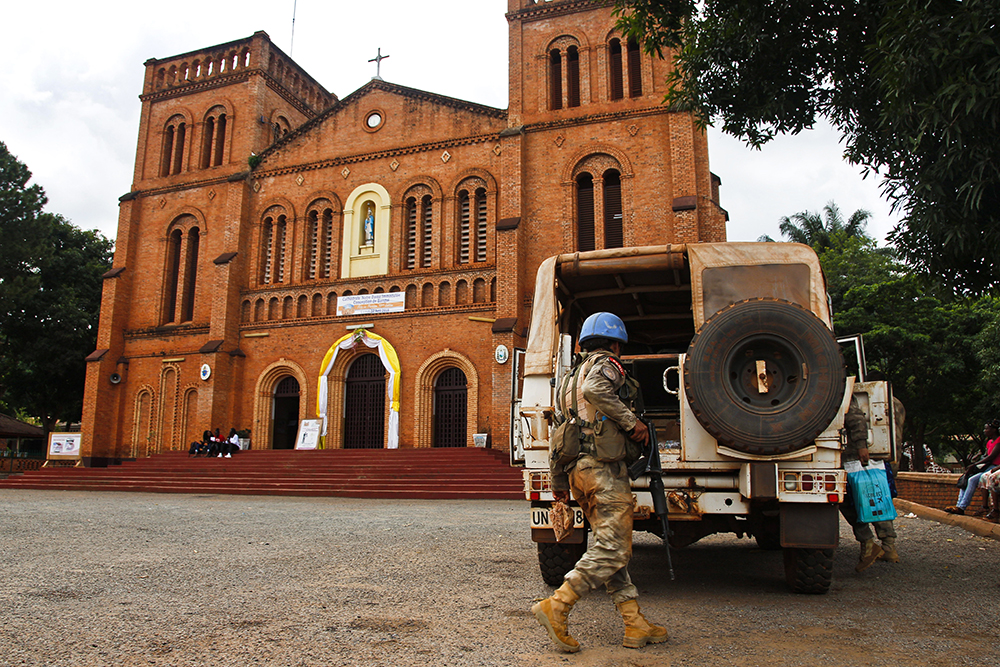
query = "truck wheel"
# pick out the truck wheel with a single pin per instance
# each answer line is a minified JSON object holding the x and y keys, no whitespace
{"x":804,"y":368}
{"x":809,"y":571}
{"x":555,"y":560}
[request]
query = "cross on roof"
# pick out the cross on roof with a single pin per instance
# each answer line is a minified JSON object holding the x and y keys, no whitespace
{"x":378,"y":63}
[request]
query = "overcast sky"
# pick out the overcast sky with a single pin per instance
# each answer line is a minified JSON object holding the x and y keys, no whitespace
{"x":72,"y":73}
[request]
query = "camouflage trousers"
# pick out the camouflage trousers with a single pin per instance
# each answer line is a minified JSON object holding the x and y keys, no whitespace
{"x":604,"y":495}
{"x":863,"y":532}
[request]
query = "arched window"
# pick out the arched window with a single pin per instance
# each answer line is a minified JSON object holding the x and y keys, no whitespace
{"x":584,"y":212}
{"x":572,"y":77}
{"x":181,"y":271}
{"x":615,"y":85}
{"x":599,"y":203}
{"x":419,"y":230}
{"x":172,"y":155}
{"x":274,"y":235}
{"x":612,"y":196}
{"x":555,"y":80}
{"x":634,"y":69}
{"x":213,"y":142}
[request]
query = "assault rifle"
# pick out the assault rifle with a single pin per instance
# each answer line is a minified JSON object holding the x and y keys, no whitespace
{"x":649,"y":464}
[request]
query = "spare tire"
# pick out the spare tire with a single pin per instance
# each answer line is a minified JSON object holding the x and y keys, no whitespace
{"x":803,"y":388}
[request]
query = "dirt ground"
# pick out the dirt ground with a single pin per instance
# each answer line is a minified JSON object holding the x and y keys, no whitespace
{"x":148,"y":579}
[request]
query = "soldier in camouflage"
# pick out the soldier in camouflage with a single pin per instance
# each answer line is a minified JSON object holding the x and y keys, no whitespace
{"x":856,"y":449}
{"x":598,"y":480}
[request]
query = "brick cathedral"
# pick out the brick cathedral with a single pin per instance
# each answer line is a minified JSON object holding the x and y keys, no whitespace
{"x":287,"y":254}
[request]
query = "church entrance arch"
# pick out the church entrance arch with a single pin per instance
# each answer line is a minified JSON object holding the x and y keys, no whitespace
{"x":364,"y":404}
{"x":285,"y":413}
{"x":331,"y":398}
{"x":450,"y":408}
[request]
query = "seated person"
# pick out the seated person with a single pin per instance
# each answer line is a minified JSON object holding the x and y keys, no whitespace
{"x":985,"y":464}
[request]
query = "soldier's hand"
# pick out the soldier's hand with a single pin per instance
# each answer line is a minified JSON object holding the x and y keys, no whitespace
{"x":561,"y":496}
{"x":640,"y":433}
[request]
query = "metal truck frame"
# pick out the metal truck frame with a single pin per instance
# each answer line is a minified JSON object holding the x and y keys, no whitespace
{"x":743,"y":378}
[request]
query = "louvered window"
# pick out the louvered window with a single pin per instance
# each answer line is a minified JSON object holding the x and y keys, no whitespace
{"x":314,"y":241}
{"x":555,"y":80}
{"x":268,"y":251}
{"x":190,"y":276}
{"x":327,"y":266}
{"x":279,"y":260}
{"x":585,"y":212}
{"x":573,"y":77}
{"x":411,"y":233}
{"x":634,"y":69}
{"x":613,"y":234}
{"x":425,"y":241}
{"x":209,"y":141}
{"x":480,"y":225}
{"x":615,"y":69}
{"x":173,"y":275}
{"x":463,"y":226}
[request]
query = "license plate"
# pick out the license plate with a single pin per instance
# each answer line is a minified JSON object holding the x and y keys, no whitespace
{"x":540,"y":517}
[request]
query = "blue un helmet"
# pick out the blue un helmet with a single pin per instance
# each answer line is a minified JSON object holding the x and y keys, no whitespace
{"x":604,"y":325}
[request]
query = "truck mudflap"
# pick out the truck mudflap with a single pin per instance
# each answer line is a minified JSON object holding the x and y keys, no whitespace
{"x":810,"y":525}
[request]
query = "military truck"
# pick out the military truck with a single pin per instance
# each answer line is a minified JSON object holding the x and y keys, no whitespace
{"x":741,"y":375}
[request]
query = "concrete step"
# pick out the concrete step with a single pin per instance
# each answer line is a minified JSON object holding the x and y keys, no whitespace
{"x":429,"y":474}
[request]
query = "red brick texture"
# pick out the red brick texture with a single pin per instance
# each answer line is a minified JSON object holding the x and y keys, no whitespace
{"x":934,"y":490}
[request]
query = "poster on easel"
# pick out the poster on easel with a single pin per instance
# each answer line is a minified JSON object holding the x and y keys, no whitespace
{"x":64,"y":447}
{"x":308,"y":436}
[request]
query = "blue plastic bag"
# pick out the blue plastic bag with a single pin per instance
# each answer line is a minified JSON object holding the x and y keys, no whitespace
{"x":869,"y":489}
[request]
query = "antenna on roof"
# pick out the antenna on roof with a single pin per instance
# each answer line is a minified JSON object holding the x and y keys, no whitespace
{"x":291,"y":47}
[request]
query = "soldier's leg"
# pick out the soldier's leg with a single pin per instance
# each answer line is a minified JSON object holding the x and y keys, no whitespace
{"x":603,"y":492}
{"x":886,"y":532}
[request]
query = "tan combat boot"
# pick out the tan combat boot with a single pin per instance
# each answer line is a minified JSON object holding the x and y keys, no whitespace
{"x":552,"y":612}
{"x":870,"y":552}
{"x":889,"y":553}
{"x":639,"y":631}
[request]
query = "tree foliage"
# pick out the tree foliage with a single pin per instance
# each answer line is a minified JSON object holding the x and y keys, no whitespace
{"x":50,"y":295}
{"x":925,"y":342}
{"x":912,"y":85}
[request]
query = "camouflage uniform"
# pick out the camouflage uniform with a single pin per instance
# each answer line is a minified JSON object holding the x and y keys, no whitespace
{"x":601,"y":488}
{"x":857,"y":438}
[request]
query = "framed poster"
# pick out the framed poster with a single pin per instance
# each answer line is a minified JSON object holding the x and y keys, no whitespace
{"x":308,"y":436}
{"x":64,"y":446}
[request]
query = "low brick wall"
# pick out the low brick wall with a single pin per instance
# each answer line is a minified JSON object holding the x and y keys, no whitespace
{"x":934,"y":490}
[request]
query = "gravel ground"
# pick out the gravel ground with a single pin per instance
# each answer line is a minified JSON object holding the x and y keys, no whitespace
{"x":186,"y":580}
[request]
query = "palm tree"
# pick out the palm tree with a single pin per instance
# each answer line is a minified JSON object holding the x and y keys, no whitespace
{"x":811,"y":229}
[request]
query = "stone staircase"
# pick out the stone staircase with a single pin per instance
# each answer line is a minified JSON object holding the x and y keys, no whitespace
{"x":454,"y":473}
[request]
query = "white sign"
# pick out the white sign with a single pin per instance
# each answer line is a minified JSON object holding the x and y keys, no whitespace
{"x":308,"y":437}
{"x":502,"y":354}
{"x":371,"y":304}
{"x":206,"y":371}
{"x":64,"y":445}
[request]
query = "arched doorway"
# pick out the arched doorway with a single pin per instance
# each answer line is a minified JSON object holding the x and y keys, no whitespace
{"x":364,"y":404}
{"x":285,"y":414}
{"x":450,"y":408}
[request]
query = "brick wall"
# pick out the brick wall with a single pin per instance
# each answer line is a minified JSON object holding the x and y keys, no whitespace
{"x":934,"y":490}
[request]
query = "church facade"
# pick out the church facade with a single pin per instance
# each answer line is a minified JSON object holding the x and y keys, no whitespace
{"x":285,"y":254}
